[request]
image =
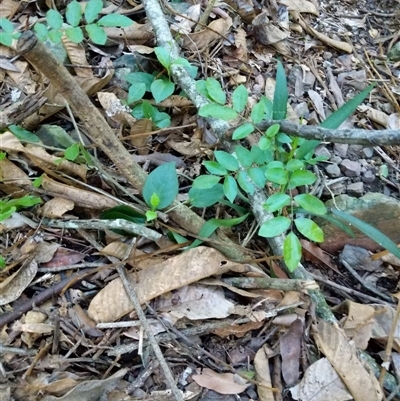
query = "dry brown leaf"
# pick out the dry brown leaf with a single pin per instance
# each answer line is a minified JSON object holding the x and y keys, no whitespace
{"x":314,"y":254}
{"x":302,"y":6}
{"x":13,"y":179}
{"x":137,"y":34}
{"x":111,"y":303}
{"x":64,"y":257}
{"x":263,"y":376}
{"x":77,"y":55}
{"x":223,"y":383}
{"x":79,"y":196}
{"x":334,"y":344}
{"x":56,"y":207}
{"x":141,"y":49}
{"x":375,"y":115}
{"x":242,"y":52}
{"x":238,"y":330}
{"x":266,"y":31}
{"x":138,"y":140}
{"x":8,"y":8}
{"x":175,"y":101}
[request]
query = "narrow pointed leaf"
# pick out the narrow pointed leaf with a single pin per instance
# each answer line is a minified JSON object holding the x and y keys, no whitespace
{"x":292,"y":251}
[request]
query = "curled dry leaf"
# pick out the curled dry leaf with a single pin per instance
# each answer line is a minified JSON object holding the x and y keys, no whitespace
{"x":263,"y":376}
{"x":242,"y":52}
{"x":56,"y":207}
{"x":302,"y":6}
{"x":223,"y":383}
{"x":77,"y":55}
{"x":266,"y":31}
{"x":8,"y":8}
{"x":13,"y":179}
{"x":313,"y":253}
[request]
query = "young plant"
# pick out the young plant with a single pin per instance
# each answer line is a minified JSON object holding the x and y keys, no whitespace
{"x":7,"y":33}
{"x":76,"y":17}
{"x":8,"y":207}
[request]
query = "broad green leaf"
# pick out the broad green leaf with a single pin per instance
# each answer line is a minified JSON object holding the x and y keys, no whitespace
{"x":3,"y":155}
{"x":201,"y":87}
{"x":306,"y":148}
{"x":244,"y":156}
{"x":226,"y":160}
{"x":2,"y":262}
{"x":245,"y":183}
{"x":243,"y":131}
{"x":161,"y":89}
{"x":25,"y":201}
{"x":301,"y":177}
{"x":264,"y":143}
{"x":72,"y":152}
{"x":76,"y":35}
{"x":96,"y":34}
{"x":274,"y":227}
{"x":370,"y":231}
{"x":230,"y":188}
{"x":276,"y":202}
{"x":278,"y":175}
{"x":55,"y":36}
{"x":125,"y":213}
{"x":6,"y":39}
{"x":280,"y":94}
{"x":151,"y":215}
{"x":22,"y":134}
{"x":239,"y":98}
{"x":205,"y":181}
{"x":341,"y":114}
{"x":163,"y":181}
{"x":309,"y":229}
{"x":215,"y":110}
{"x":115,"y":20}
{"x":276,"y":164}
{"x":6,"y":212}
{"x":292,"y":251}
{"x":272,"y":130}
{"x":310,"y":203}
{"x":179,"y":239}
{"x":283,"y":138}
{"x":163,"y":56}
{"x":41,"y":31}
{"x":136,"y":92}
{"x":215,"y":91}
{"x":206,"y":198}
{"x":294,"y":164}
{"x":92,"y":10}
{"x":261,"y":156}
{"x":258,"y":176}
{"x":6,"y":25}
{"x":258,"y":112}
{"x":73,"y":13}
{"x":215,"y":168}
{"x":54,"y":19}
{"x":140,"y":78}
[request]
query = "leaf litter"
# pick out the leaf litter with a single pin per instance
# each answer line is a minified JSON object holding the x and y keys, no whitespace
{"x":73,"y":343}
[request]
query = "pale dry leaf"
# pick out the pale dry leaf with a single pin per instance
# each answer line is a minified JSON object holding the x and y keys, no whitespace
{"x":375,"y":115}
{"x":263,"y":376}
{"x":318,"y":103}
{"x":8,"y":8}
{"x":320,"y":383}
{"x":223,"y":383}
{"x":266,"y":31}
{"x":334,"y":344}
{"x":112,"y":302}
{"x":141,"y":49}
{"x":44,"y":251}
{"x":56,"y":208}
{"x":14,"y":181}
{"x":137,"y":34}
{"x":176,"y":101}
{"x":185,"y":25}
{"x":302,"y":6}
{"x":238,"y":330}
{"x":77,"y":55}
{"x":242,"y":52}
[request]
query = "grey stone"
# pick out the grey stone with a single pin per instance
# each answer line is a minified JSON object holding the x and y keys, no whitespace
{"x":340,"y":149}
{"x":359,"y":258}
{"x":321,"y":150}
{"x":336,"y":159}
{"x":355,"y":189}
{"x":368,"y":152}
{"x":350,"y":168}
{"x":336,"y":189}
{"x":368,"y":177}
{"x":333,"y":170}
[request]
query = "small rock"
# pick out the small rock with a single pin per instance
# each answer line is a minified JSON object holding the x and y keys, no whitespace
{"x":335,"y":159}
{"x":340,"y":149}
{"x":336,"y":189}
{"x":359,"y":258}
{"x":355,"y":189}
{"x":321,"y":150}
{"x":350,"y":168}
{"x":368,"y":152}
{"x":368,"y":177}
{"x":333,"y":170}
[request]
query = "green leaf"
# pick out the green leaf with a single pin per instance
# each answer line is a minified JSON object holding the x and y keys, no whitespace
{"x":140,"y":78}
{"x":258,"y":112}
{"x":264,"y":143}
{"x":205,"y":181}
{"x":292,"y":251}
{"x":243,"y":131}
{"x":136,"y":92}
{"x":201,"y":87}
{"x":244,"y":156}
{"x":55,"y":36}
{"x":341,"y":114}
{"x":161,"y":89}
{"x":230,"y":188}
{"x":226,"y":160}
{"x":92,"y":10}
{"x":306,"y":148}
{"x":163,"y":181}
{"x":215,"y":91}
{"x":280,"y":95}
{"x":151,"y":215}
{"x":2,"y":262}
{"x":25,"y":201}
{"x":3,"y":155}
{"x":309,"y":229}
{"x":125,"y":213}
{"x":277,"y":202}
{"x":154,"y":201}
{"x":22,"y":134}
{"x":260,"y":156}
{"x":283,"y":138}
{"x":76,"y":35}
{"x":6,"y":25}
{"x":215,"y":110}
{"x":72,"y":152}
{"x":206,"y":198}
{"x":6,"y":212}
{"x":96,"y":34}
{"x":258,"y":176}
{"x":41,"y":31}
{"x":274,"y":227}
{"x":73,"y":13}
{"x":215,"y":168}
{"x":370,"y":231}
{"x":301,"y":177}
{"x":54,"y":19}
{"x":245,"y":183}
{"x":163,"y":56}
{"x":179,"y":239}
{"x":278,"y":175}
{"x":272,"y":130}
{"x":294,"y":164}
{"x":239,"y":99}
{"x":115,"y":20}
{"x":310,"y":203}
